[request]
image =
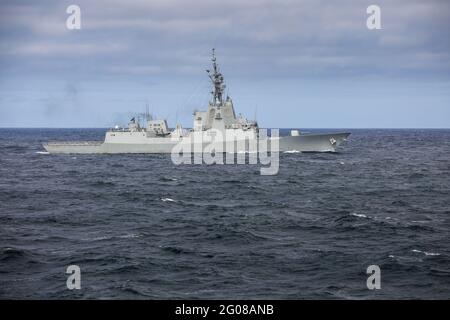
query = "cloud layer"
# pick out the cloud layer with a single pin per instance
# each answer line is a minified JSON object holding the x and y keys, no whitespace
{"x":126,"y":48}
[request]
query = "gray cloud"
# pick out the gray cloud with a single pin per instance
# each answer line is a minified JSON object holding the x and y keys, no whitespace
{"x":272,"y":38}
{"x":144,"y":43}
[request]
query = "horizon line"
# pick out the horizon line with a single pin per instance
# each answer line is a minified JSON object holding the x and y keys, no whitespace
{"x":304,"y":128}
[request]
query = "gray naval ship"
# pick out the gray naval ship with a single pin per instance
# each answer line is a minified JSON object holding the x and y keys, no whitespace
{"x":220,"y":116}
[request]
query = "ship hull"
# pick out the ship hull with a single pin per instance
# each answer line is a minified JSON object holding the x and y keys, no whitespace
{"x":313,"y":142}
{"x":302,"y":143}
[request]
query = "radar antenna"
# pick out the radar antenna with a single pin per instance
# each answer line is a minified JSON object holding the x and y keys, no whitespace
{"x":217,"y":81}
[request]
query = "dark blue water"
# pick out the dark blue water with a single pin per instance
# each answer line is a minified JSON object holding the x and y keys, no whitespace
{"x":308,"y":232}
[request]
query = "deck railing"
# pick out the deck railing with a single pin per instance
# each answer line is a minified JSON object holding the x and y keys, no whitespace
{"x":75,"y":143}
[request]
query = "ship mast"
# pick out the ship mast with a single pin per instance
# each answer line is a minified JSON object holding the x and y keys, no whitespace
{"x":217,"y":81}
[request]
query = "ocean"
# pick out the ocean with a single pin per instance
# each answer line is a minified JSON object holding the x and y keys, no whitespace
{"x":140,"y":227}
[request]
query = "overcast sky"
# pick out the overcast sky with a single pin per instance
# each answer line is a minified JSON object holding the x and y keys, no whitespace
{"x":289,"y":63}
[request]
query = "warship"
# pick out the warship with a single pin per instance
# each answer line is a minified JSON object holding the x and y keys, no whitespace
{"x":220,"y":117}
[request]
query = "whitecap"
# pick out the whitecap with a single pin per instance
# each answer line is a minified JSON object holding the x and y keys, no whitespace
{"x":97,"y":238}
{"x":167,"y":200}
{"x":359,"y":215}
{"x":432,"y":253}
{"x":128,"y":236}
{"x":426,"y":253}
{"x":292,"y":151}
{"x":42,"y":152}
{"x":100,"y":238}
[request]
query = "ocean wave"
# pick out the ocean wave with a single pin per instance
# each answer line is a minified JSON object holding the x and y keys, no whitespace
{"x":359,"y":215}
{"x":285,"y":229}
{"x":9,"y":253}
{"x":129,"y":236}
{"x":101,"y":183}
{"x":176,"y":249}
{"x":167,"y":179}
{"x":16,"y":256}
{"x":426,"y":253}
{"x":101,"y":238}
